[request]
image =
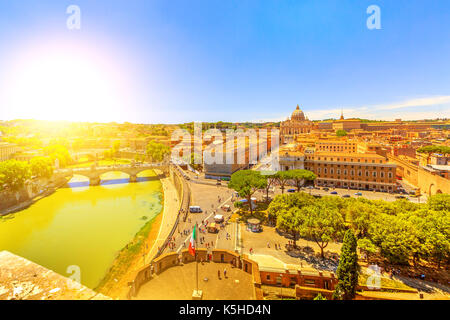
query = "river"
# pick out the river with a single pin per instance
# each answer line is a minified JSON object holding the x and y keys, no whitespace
{"x":81,"y":227}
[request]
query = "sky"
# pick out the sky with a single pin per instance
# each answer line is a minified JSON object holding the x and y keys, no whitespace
{"x":160,"y":61}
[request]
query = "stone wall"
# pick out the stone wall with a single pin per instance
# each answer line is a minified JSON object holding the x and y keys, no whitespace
{"x":431,"y":184}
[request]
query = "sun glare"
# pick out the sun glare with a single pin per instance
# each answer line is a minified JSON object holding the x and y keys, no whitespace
{"x":63,"y":85}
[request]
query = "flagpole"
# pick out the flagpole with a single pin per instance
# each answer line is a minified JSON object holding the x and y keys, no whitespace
{"x":196,"y":262}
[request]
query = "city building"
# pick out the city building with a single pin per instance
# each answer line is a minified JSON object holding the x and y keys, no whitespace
{"x":7,"y":150}
{"x":365,"y":171}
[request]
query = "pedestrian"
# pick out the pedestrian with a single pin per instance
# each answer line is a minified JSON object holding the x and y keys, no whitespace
{"x":225,"y":272}
{"x":218,"y":273}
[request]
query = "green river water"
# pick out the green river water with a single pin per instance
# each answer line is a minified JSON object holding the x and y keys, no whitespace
{"x":83,"y":226}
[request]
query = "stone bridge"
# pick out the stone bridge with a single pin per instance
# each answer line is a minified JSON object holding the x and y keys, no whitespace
{"x":94,"y":173}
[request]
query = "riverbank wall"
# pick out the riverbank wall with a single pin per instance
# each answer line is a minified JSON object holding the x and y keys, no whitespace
{"x":30,"y":193}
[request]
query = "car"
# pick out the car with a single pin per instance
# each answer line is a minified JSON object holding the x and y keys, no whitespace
{"x":400,"y":197}
{"x":333,"y":192}
{"x":291,"y":190}
{"x":309,"y":187}
{"x":358,"y":194}
{"x":325,"y":189}
{"x":346,"y":196}
{"x":195,"y":209}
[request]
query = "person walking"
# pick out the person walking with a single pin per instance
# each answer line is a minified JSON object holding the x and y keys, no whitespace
{"x":218,"y":274}
{"x":225,"y":272}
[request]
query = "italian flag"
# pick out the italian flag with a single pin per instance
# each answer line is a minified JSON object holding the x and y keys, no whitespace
{"x":192,"y":242}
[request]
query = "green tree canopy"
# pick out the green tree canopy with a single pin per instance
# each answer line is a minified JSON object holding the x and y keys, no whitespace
{"x":246,"y":183}
{"x":282,"y":178}
{"x":14,"y":174}
{"x":41,"y":167}
{"x":323,"y":223}
{"x":434,"y":149}
{"x":299,"y":176}
{"x":157,"y":151}
{"x":60,"y":152}
{"x":291,"y":221}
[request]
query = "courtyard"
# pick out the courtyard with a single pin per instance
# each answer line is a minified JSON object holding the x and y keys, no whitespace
{"x":178,"y":283}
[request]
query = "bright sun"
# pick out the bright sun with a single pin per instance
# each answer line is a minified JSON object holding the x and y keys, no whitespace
{"x":63,"y":85}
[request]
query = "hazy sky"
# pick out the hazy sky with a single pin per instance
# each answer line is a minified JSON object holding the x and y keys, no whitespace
{"x":174,"y":61}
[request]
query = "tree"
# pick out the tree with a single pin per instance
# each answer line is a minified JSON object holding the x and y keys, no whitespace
{"x":323,"y":224}
{"x":320,"y":297}
{"x":284,"y":202}
{"x":348,"y":269}
{"x":115,"y":148}
{"x":156,"y":151}
{"x":395,"y":236}
{"x":439,"y":202}
{"x":434,"y":149}
{"x":366,"y":246}
{"x":271,"y":179}
{"x":299,"y":176}
{"x":14,"y":174}
{"x":359,"y":213}
{"x":282,"y":178}
{"x":341,"y":133}
{"x":436,"y":229}
{"x":41,"y":167}
{"x":291,"y":222}
{"x":60,"y":152}
{"x":246,"y":183}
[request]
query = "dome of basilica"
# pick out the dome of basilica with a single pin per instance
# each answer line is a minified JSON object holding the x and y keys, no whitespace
{"x":298,"y":115}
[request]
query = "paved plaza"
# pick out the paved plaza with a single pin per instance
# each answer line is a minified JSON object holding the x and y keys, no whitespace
{"x":178,"y":283}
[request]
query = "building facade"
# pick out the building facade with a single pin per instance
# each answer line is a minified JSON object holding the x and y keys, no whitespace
{"x":7,"y":150}
{"x":354,"y":171}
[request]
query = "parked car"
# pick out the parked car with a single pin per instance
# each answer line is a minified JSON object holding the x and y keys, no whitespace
{"x":291,"y":190}
{"x":325,"y":189}
{"x":195,"y":209}
{"x":333,"y":192}
{"x":358,"y":194}
{"x":400,"y":197}
{"x":346,"y":196}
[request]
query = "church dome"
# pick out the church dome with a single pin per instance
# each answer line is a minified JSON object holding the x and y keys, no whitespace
{"x":298,"y":114}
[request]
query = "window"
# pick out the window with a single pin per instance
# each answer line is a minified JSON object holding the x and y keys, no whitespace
{"x":268,"y":277}
{"x":382,"y":174}
{"x":338,"y":171}
{"x":310,"y":282}
{"x":374,"y":173}
{"x":331,"y":171}
{"x":390,"y":174}
{"x":367,"y":173}
{"x":325,"y":170}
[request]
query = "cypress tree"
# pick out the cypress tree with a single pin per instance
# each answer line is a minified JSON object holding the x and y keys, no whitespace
{"x":348,"y":269}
